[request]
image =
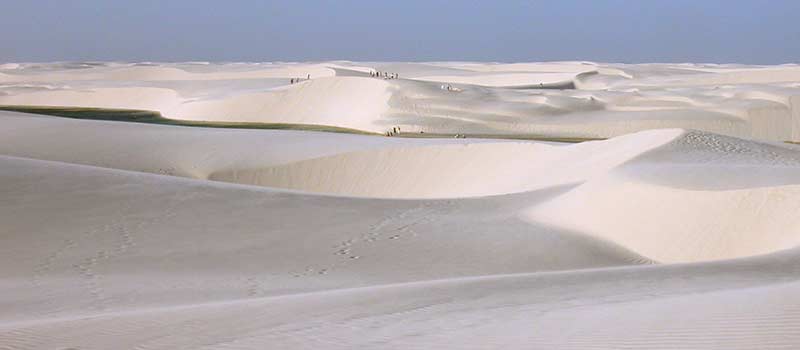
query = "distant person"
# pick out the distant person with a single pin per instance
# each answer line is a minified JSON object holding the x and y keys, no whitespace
{"x":309,"y":77}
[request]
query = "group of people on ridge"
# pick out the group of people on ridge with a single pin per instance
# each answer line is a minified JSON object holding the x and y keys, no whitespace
{"x":384,"y":75}
{"x":297,"y":80}
{"x":395,"y":130}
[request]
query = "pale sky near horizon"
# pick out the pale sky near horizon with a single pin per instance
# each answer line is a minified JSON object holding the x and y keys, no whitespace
{"x":721,"y":31}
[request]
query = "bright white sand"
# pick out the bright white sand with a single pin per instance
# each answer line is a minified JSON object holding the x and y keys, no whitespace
{"x":601,"y":100}
{"x":133,"y":236}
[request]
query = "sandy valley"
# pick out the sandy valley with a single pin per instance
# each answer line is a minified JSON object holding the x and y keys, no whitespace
{"x":673,"y":224}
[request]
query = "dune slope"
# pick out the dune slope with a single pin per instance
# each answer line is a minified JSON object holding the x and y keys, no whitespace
{"x":679,"y":231}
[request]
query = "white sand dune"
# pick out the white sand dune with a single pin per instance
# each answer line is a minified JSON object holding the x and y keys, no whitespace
{"x":445,"y":171}
{"x":701,"y":188}
{"x":560,"y":99}
{"x":502,"y":79}
{"x":119,"y":235}
{"x":158,"y":72}
{"x":129,"y":97}
{"x":667,"y":177}
{"x":188,"y":152}
{"x":130,"y":264}
{"x":131,"y":241}
{"x":325,"y":101}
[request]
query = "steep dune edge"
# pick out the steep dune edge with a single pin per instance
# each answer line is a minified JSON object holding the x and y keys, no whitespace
{"x":700,"y":197}
{"x":352,"y":102}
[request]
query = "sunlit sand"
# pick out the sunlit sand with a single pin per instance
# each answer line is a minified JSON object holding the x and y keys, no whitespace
{"x":674,"y":225}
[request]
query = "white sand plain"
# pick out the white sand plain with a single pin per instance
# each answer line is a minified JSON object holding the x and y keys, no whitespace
{"x":121,"y":235}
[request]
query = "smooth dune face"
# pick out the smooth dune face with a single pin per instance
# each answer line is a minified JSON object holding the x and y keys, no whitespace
{"x":447,"y":171}
{"x":559,"y":99}
{"x":143,"y":236}
{"x":325,"y":101}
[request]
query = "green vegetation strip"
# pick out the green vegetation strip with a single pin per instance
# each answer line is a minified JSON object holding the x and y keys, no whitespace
{"x":153,"y":117}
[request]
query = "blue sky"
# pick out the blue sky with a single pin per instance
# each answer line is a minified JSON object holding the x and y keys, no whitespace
{"x":742,"y":31}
